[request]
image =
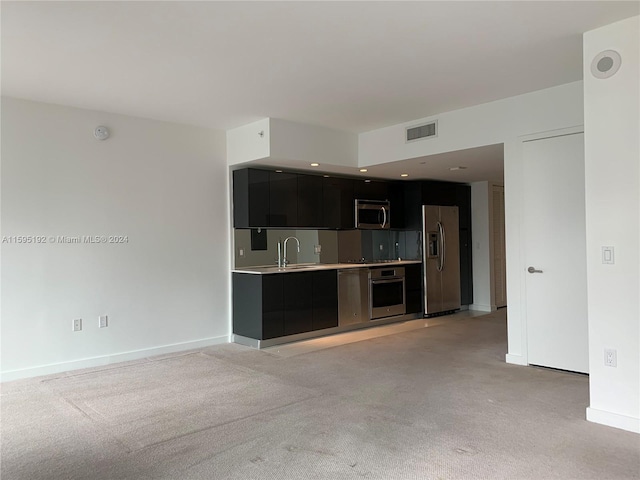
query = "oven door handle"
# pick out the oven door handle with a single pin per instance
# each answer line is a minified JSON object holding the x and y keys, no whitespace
{"x":387,"y":280}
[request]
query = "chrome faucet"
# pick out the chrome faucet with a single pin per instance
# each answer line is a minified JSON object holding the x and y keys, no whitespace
{"x":284,"y":252}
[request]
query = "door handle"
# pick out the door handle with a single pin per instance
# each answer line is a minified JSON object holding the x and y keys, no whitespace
{"x":533,"y":270}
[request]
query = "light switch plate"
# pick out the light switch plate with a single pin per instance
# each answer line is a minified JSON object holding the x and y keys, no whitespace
{"x":608,"y":255}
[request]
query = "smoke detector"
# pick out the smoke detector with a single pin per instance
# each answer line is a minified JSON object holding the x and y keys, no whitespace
{"x":101,"y":132}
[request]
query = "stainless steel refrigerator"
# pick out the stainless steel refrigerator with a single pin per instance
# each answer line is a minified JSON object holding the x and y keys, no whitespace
{"x":441,"y":256}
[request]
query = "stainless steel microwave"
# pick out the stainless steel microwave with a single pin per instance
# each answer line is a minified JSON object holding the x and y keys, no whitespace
{"x":373,"y":214}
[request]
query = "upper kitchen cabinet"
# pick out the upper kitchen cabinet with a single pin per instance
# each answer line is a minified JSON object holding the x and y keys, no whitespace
{"x":370,"y":190}
{"x":439,"y":193}
{"x":310,"y":201}
{"x":463,"y":200}
{"x":283,"y":199}
{"x":449,"y":194}
{"x":337,"y":199}
{"x":250,"y":198}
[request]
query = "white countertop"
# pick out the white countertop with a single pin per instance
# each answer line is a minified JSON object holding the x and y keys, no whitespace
{"x":305,"y":267}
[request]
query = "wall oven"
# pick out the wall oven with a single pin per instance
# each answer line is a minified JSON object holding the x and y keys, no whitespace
{"x":386,"y":292}
{"x":373,"y":214}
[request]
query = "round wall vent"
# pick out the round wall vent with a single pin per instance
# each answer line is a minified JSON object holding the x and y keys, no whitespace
{"x":606,"y":64}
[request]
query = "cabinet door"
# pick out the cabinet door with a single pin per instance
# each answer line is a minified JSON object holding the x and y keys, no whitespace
{"x":309,"y":201}
{"x":250,"y":198}
{"x":298,"y":291}
{"x":466,"y":269}
{"x":272,"y":306}
{"x":283,"y":199}
{"x":339,"y":207}
{"x":247,"y":305}
{"x":396,"y":199}
{"x":438,"y":193}
{"x":325,"y":299}
{"x":463,"y":201}
{"x":413,"y":287}
{"x":372,"y":190}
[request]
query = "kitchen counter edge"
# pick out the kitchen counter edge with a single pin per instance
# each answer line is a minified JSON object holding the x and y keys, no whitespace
{"x":319,"y":266}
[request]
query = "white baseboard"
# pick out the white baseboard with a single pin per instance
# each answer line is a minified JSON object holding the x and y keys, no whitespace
{"x":481,"y":308}
{"x":615,"y":420}
{"x":103,"y":360}
{"x":515,"y":359}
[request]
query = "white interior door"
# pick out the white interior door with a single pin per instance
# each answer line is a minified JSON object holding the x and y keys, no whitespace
{"x":555,"y":246}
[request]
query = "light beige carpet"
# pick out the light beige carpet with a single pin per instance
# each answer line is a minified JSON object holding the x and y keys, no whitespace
{"x":433,"y":403}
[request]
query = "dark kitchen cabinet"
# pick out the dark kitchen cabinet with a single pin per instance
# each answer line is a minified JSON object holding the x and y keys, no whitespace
{"x":370,"y":190}
{"x":280,"y":304}
{"x":283,"y":199}
{"x":466,"y":272}
{"x":298,"y":302}
{"x":272,"y":306}
{"x":338,"y":203}
{"x":250,"y":198}
{"x":463,"y":201}
{"x":309,"y":198}
{"x":325,"y":299}
{"x":397,"y":206}
{"x":258,"y":306}
{"x":413,"y":288}
{"x":439,"y":193}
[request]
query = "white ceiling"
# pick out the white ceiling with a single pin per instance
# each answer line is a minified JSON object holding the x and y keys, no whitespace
{"x":354,"y":66}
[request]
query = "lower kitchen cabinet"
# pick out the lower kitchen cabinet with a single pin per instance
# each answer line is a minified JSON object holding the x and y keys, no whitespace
{"x":413,"y":288}
{"x":325,"y":299}
{"x":272,"y":306}
{"x":276,"y":305}
{"x":298,"y":302}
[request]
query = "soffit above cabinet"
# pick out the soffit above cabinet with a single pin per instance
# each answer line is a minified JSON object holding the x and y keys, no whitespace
{"x":272,"y":140}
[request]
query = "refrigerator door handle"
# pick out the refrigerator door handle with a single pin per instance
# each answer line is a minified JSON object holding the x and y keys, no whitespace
{"x":440,"y":264}
{"x":444,"y":247}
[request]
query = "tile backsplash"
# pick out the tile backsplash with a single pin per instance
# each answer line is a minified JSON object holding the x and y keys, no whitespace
{"x":336,"y":246}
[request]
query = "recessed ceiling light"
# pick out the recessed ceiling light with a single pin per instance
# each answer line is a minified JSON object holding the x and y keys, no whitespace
{"x":326,"y":176}
{"x":367,"y":181}
{"x":315,"y":164}
{"x":457,"y":168}
{"x":363,"y":170}
{"x":278,"y":171}
{"x":404,"y":174}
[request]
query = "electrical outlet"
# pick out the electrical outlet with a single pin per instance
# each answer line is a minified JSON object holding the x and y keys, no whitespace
{"x":610,"y":357}
{"x":241,"y":252}
{"x":103,"y":321}
{"x":381,"y":247}
{"x":317,"y":249}
{"x":77,"y":325}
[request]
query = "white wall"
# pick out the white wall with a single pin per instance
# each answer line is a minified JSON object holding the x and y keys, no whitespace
{"x":487,"y":124}
{"x":612,"y":159}
{"x":480,"y":227}
{"x":249,"y":142}
{"x":163,"y":185}
{"x":310,"y":143}
{"x":503,"y":121}
{"x":276,"y":139}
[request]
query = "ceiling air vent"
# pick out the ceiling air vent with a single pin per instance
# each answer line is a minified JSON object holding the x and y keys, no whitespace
{"x":422,"y":131}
